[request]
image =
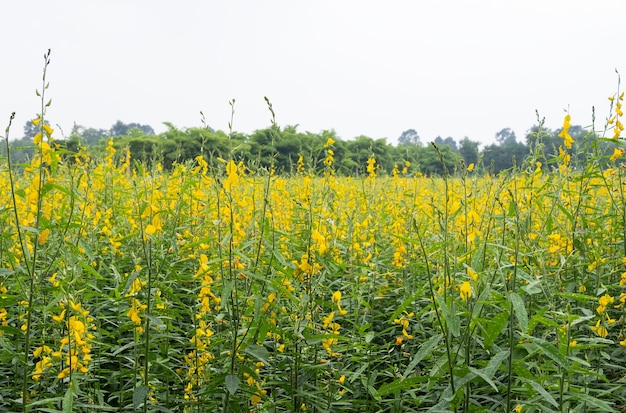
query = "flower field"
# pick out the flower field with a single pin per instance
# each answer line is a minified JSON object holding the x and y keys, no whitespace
{"x":125,"y":287}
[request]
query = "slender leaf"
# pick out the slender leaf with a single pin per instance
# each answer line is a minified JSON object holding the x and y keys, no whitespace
{"x":452,"y":320}
{"x":520,"y":311}
{"x":423,"y":351}
{"x":494,"y":328}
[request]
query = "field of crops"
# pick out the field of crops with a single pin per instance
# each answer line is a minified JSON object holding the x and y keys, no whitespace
{"x":132,"y":289}
{"x":229,"y":287}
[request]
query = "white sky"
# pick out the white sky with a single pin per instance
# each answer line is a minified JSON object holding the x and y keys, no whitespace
{"x":442,"y":67}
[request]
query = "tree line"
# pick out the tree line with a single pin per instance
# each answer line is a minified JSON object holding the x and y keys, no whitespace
{"x":280,"y":148}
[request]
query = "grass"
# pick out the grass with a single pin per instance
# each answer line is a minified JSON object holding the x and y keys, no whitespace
{"x":129,"y":288}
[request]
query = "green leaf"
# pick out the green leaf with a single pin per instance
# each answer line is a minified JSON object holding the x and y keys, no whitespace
{"x":480,"y":302}
{"x":400,"y":384}
{"x":11,"y":330}
{"x":140,"y":395}
{"x":551,"y":351}
{"x":495,"y":362}
{"x":539,"y":389}
{"x":232,"y":383}
{"x":225,"y":296}
{"x":48,"y":186}
{"x":258,"y":352}
{"x":156,"y":322}
{"x":423,"y":351}
{"x":68,"y":400}
{"x":374,"y":393}
{"x":494,"y":327}
{"x":5,"y":272}
{"x":533,"y":287}
{"x":597,"y":404}
{"x":520,"y":311}
{"x":581,"y":298}
{"x":263,"y":328}
{"x":487,"y":373}
{"x":407,"y":302}
{"x":452,"y":320}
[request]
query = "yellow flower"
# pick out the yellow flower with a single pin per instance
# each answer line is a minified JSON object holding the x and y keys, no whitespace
{"x":64,"y":373}
{"x":59,"y":318}
{"x":76,"y":325}
{"x":371,"y":167}
{"x":470,"y":167}
{"x":604,"y":301}
{"x":135,"y":287}
{"x":465,"y":290}
{"x":320,"y":241}
{"x":600,"y":330}
{"x":150,"y":229}
{"x":567,"y":139}
{"x":617,"y":152}
{"x":232,"y":175}
{"x":328,"y":319}
{"x":47,"y":129}
{"x":53,"y":280}
{"x":43,"y":236}
{"x":337,"y":300}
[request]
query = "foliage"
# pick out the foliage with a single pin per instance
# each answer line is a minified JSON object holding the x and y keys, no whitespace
{"x":218,"y":285}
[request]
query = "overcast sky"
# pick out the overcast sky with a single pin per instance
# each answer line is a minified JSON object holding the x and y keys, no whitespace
{"x":442,"y":67}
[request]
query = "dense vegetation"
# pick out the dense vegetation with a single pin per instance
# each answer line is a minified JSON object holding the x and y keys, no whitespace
{"x":225,"y":286}
{"x":281,"y":147}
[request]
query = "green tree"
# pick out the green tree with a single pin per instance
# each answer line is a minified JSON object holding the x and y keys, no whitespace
{"x":435,"y":160}
{"x":120,"y":128}
{"x":468,"y":149}
{"x":409,"y":137}
{"x":449,"y":141}
{"x":87,"y":136}
{"x":497,"y":158}
{"x":505,"y":136}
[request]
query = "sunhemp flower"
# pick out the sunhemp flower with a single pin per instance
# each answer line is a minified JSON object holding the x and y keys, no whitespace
{"x":404,"y":322}
{"x":567,"y":139}
{"x":337,"y":300}
{"x":618,"y":127}
{"x":617,"y":152}
{"x":371,"y":167}
{"x":43,"y":236}
{"x":465,"y":290}
{"x":300,"y":165}
{"x":320,"y":241}
{"x":232,"y":175}
{"x":600,"y":330}
{"x":604,"y":301}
